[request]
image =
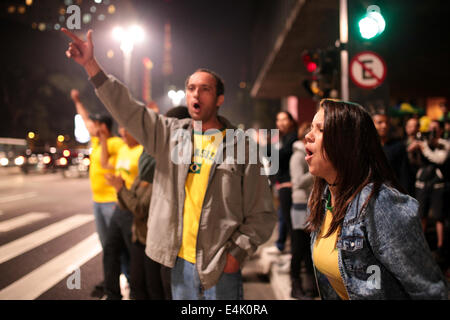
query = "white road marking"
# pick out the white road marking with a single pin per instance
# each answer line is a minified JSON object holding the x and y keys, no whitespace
{"x":49,"y":274}
{"x":23,"y":220}
{"x":16,"y":197}
{"x":35,"y":239}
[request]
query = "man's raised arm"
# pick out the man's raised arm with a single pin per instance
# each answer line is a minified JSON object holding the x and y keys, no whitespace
{"x":149,"y":129}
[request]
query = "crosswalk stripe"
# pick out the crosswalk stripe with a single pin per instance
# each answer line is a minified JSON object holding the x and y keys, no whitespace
{"x":16,"y":197}
{"x":49,"y":274}
{"x":22,"y":220}
{"x":35,"y":239}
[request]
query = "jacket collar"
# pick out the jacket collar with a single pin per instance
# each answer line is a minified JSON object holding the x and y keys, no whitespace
{"x":354,"y":208}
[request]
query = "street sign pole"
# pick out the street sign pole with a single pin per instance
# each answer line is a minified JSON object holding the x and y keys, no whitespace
{"x":343,"y":39}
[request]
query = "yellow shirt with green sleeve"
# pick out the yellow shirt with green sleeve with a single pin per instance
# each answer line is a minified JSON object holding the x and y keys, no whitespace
{"x":101,"y":190}
{"x":325,"y":257}
{"x":205,"y":148}
{"x":127,"y":163}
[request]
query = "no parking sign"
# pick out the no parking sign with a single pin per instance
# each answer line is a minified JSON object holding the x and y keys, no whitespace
{"x":367,"y":70}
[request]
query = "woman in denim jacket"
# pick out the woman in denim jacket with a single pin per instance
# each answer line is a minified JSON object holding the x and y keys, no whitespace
{"x":366,"y":240}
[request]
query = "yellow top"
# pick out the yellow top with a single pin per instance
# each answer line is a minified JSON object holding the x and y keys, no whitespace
{"x":205,"y":148}
{"x":101,"y":190}
{"x":127,"y":163}
{"x":325,"y":257}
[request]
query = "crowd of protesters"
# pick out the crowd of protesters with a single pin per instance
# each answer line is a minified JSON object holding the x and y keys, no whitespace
{"x":188,"y":227}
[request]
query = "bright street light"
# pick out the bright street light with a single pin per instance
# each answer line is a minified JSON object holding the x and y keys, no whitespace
{"x":176,"y":97}
{"x":128,"y":38}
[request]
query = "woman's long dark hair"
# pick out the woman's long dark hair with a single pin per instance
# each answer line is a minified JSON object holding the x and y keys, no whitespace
{"x":294,"y":125}
{"x":351,"y":143}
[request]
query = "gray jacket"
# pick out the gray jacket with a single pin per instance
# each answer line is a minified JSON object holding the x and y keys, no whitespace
{"x":301,"y":178}
{"x":237,"y":213}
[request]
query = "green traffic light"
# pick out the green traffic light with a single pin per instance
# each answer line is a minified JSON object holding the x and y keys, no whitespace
{"x":372,"y":24}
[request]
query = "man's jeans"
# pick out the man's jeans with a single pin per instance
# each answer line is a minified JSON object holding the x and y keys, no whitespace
{"x":186,"y":284}
{"x":118,"y":242}
{"x":103,"y":212}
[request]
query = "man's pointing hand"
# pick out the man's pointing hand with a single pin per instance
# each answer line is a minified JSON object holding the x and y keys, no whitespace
{"x":82,"y":52}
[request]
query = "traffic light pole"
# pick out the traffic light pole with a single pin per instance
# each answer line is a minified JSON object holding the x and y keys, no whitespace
{"x":343,"y":39}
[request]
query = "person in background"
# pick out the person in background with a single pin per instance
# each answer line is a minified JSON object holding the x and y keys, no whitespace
{"x":118,"y":239}
{"x":302,"y":182}
{"x":395,"y":149}
{"x":287,"y":127}
{"x":431,"y":182}
{"x":411,"y":164}
{"x":366,"y":241}
{"x":104,"y":196}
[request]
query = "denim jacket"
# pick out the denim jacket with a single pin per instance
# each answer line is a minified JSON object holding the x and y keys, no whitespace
{"x":382,"y":251}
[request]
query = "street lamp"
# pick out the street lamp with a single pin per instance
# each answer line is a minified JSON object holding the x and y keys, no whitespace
{"x":128,"y":38}
{"x":176,"y":97}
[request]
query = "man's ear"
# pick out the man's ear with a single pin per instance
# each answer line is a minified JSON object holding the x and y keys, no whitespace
{"x":220,"y":100}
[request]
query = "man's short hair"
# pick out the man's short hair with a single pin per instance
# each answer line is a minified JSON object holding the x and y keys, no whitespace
{"x":220,"y":86}
{"x":102,"y":118}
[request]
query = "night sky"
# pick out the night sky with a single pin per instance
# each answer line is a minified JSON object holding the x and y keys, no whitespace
{"x":36,"y":76}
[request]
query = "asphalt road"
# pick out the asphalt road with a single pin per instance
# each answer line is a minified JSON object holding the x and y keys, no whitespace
{"x":49,"y":248}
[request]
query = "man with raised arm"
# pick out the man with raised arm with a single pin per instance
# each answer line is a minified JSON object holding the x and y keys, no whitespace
{"x":206,"y":216}
{"x":105,"y":148}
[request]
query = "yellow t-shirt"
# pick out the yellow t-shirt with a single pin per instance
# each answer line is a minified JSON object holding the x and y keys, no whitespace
{"x":325,"y":257}
{"x":205,"y":148}
{"x":101,"y":190}
{"x":127,"y":163}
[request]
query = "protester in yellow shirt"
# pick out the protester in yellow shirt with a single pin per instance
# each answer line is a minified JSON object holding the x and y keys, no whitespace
{"x":118,"y":238}
{"x":104,"y":195}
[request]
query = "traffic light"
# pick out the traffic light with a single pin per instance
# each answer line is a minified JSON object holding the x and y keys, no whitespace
{"x":310,"y":60}
{"x":372,"y":24}
{"x":323,"y":67}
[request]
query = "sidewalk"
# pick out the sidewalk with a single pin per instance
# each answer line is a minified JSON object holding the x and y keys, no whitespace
{"x":274,"y":266}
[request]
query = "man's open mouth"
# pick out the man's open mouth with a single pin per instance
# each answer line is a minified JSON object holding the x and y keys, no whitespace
{"x":196,"y":106}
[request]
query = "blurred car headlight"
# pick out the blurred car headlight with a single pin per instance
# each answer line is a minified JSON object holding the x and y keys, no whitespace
{"x":4,"y":162}
{"x":62,"y":161}
{"x":19,"y":160}
{"x":47,"y":159}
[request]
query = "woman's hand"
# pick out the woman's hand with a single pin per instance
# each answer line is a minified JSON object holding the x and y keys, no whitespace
{"x":116,"y":181}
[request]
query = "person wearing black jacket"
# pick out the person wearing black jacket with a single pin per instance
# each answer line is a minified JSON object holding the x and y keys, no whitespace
{"x":288,"y":135}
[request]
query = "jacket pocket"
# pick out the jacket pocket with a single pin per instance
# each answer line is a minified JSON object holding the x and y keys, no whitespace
{"x":233,"y":169}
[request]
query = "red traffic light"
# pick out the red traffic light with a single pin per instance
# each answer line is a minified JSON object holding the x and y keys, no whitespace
{"x":310,"y":65}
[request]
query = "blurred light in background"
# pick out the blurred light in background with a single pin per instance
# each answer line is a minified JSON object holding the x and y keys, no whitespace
{"x":81,"y":132}
{"x":87,"y":17}
{"x":60,"y":138}
{"x":176,"y":97}
{"x":111,"y":9}
{"x":373,"y":24}
{"x":31,"y":135}
{"x":20,"y":160}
